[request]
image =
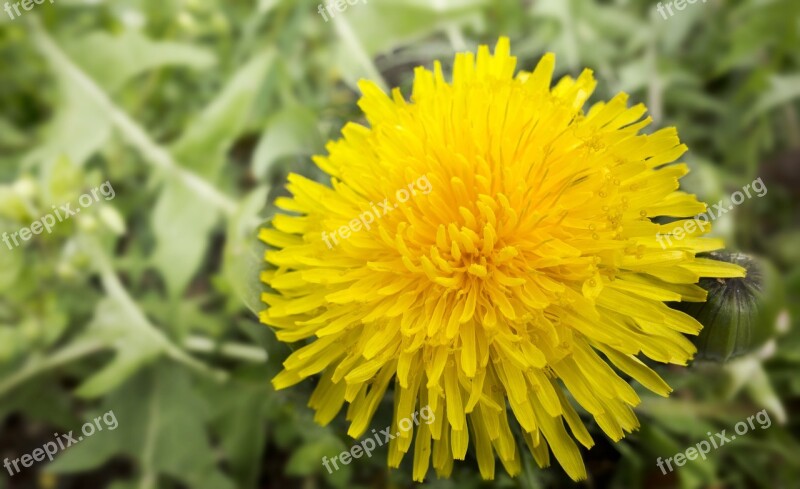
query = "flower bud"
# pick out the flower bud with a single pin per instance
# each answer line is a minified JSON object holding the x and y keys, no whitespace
{"x":739,"y":314}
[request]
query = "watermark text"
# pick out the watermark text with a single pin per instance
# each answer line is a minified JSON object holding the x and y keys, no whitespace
{"x":381,"y":437}
{"x":61,"y":442}
{"x":716,"y":440}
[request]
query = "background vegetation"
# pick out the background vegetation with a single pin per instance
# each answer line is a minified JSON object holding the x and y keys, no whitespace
{"x":195,"y":111}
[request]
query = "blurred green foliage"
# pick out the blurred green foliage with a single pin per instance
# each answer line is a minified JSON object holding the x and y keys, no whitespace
{"x":195,"y":111}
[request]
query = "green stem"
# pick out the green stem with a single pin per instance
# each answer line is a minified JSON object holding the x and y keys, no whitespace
{"x":116,"y":290}
{"x":38,"y":364}
{"x":236,"y":351}
{"x":135,"y":135}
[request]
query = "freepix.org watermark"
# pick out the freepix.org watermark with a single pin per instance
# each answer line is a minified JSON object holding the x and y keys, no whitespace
{"x":700,"y":222}
{"x":382,"y":437}
{"x":26,"y":5}
{"x":62,"y":442}
{"x":716,"y":440}
{"x":366,"y":218}
{"x":58,"y":215}
{"x":679,"y":5}
{"x":337,"y":5}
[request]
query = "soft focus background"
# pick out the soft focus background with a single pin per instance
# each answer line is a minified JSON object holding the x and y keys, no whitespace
{"x":195,"y":111}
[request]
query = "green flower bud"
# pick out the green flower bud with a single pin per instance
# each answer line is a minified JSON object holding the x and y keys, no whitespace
{"x":740,"y":314}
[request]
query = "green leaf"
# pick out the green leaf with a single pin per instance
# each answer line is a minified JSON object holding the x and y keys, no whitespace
{"x":782,"y":90}
{"x":760,"y":389}
{"x":89,"y":454}
{"x":239,"y":420}
{"x":307,"y":459}
{"x":291,"y":132}
{"x":112,"y":60}
{"x":40,"y":400}
{"x":78,"y":129}
{"x":368,"y":30}
{"x":182,"y":222}
{"x":81,"y":126}
{"x":204,"y":143}
{"x":243,"y":255}
{"x":134,"y":347}
{"x":161,"y":423}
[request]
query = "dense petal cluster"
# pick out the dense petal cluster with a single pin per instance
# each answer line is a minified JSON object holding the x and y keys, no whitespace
{"x":523,"y":283}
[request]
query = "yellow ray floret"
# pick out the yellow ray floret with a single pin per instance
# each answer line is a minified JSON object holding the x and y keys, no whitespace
{"x":520,"y":262}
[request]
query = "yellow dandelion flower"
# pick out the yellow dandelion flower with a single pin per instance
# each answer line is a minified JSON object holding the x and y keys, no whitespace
{"x":520,"y":262}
